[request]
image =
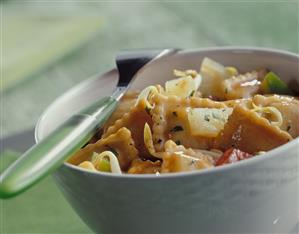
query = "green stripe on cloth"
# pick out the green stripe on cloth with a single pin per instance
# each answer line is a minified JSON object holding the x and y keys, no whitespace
{"x":31,"y":42}
{"x":42,"y":209}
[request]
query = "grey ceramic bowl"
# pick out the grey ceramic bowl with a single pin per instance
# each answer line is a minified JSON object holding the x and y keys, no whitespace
{"x":258,"y":195}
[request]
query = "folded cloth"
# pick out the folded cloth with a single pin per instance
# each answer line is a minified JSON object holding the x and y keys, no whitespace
{"x":41,"y":209}
{"x":32,"y":41}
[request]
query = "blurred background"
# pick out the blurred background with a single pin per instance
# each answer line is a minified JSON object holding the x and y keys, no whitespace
{"x":49,"y":46}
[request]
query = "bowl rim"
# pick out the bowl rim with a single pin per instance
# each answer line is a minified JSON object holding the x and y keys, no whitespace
{"x":254,"y":160}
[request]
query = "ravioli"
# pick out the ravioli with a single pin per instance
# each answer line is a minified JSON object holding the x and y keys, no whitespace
{"x":247,"y":131}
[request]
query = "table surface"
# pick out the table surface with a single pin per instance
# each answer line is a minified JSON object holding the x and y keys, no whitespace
{"x":50,"y":47}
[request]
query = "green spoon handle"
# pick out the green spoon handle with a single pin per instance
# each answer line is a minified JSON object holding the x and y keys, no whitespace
{"x":54,"y":149}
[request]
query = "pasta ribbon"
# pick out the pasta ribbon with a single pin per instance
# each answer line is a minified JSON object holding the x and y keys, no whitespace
{"x":247,"y":131}
{"x":269,"y":112}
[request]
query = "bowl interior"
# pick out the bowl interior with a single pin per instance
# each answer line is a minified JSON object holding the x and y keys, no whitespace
{"x":285,"y":64}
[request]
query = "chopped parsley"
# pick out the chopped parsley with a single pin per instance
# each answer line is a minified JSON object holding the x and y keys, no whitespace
{"x":192,"y":162}
{"x":192,"y":93}
{"x":207,"y":118}
{"x":178,"y":142}
{"x":148,"y":110}
{"x":177,"y":129}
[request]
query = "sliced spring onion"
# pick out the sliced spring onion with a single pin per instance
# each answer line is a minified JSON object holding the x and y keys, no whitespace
{"x":146,"y":94}
{"x":102,"y":164}
{"x":275,"y":117}
{"x":273,"y":84}
{"x":184,"y":86}
{"x":207,"y":121}
{"x":100,"y":161}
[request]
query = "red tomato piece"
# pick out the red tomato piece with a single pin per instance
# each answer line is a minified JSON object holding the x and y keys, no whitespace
{"x":232,"y":155}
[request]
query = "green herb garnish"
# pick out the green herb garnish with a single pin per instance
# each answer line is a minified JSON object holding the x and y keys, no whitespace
{"x":177,"y":129}
{"x":192,"y":93}
{"x":148,"y":110}
{"x":178,"y":142}
{"x":207,"y":118}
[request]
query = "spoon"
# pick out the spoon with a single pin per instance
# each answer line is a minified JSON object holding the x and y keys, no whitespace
{"x":46,"y":156}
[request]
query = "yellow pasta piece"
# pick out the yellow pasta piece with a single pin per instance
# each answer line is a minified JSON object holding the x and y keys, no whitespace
{"x":126,"y":103}
{"x":120,"y":143}
{"x":134,"y":120}
{"x":87,"y":165}
{"x":178,"y":159}
{"x":172,"y":147}
{"x":179,"y":162}
{"x":140,"y":166}
{"x":82,"y":155}
{"x":287,"y":106}
{"x":247,"y":102}
{"x":249,"y":132}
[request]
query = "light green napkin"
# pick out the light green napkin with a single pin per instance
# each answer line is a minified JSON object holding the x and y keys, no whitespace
{"x":32,"y":41}
{"x":42,"y":209}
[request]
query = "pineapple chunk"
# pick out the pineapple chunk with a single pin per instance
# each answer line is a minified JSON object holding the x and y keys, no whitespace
{"x":207,"y":121}
{"x":184,"y":86}
{"x":213,"y":74}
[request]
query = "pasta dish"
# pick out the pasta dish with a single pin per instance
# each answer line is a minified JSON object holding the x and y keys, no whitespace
{"x":198,"y":120}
